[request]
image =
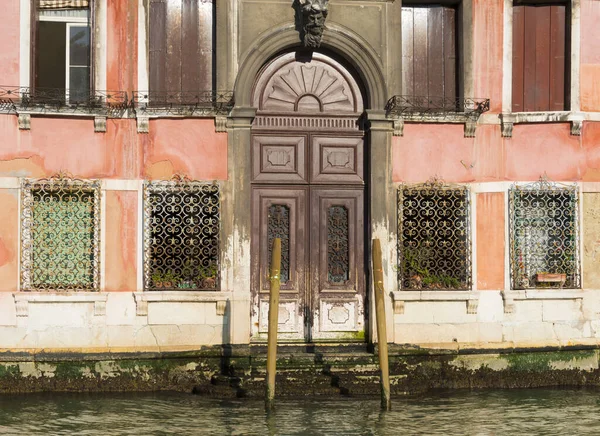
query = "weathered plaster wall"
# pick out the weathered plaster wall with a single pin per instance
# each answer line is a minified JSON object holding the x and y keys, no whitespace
{"x":9,"y":240}
{"x":590,"y":55}
{"x":121,"y":241}
{"x":487,"y":53}
{"x":441,"y":150}
{"x":490,"y":241}
{"x":122,"y":17}
{"x":188,"y":146}
{"x":9,"y":44}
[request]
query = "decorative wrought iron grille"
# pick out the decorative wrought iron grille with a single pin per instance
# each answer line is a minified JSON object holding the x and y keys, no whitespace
{"x":409,"y":106}
{"x":544,"y":235}
{"x":60,"y":234}
{"x":181,"y":235}
{"x":338,"y":249}
{"x":183,"y":103}
{"x":56,"y":100}
{"x":434,"y":236}
{"x":279,"y":227}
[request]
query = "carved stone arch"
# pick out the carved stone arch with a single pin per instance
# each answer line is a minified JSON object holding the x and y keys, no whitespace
{"x":336,"y":38}
{"x":307,"y":84}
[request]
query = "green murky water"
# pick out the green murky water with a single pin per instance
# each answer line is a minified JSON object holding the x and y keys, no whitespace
{"x":509,"y":412}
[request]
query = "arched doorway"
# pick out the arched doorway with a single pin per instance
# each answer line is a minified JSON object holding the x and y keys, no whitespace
{"x":308,"y":186}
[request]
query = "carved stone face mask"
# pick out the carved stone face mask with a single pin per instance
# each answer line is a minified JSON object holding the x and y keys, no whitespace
{"x":314,"y":13}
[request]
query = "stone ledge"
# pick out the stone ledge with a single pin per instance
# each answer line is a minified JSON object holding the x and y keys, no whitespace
{"x":471,"y":297}
{"x":22,"y":300}
{"x":539,"y":294}
{"x":143,"y":298}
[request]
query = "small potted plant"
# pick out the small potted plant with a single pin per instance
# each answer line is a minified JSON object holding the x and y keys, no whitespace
{"x":208,"y":277}
{"x":550,"y":278}
{"x":157,"y":280}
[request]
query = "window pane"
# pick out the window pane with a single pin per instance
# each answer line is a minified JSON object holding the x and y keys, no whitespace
{"x":50,"y":55}
{"x":79,"y":46}
{"x":79,"y":83}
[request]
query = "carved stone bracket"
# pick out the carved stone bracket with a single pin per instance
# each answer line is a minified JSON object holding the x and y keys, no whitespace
{"x":100,"y":124}
{"x":399,"y":127}
{"x":22,"y":307}
{"x":472,"y":306}
{"x":221,"y":308}
{"x":141,"y":305}
{"x":508,"y":122}
{"x":24,"y":121}
{"x":220,"y":124}
{"x":576,"y":126}
{"x":470,"y":127}
{"x":143,"y":124}
{"x":398,"y":307}
{"x":100,"y":308}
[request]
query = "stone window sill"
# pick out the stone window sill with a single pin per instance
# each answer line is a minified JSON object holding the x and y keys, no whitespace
{"x":538,"y":294}
{"x":23,"y":299}
{"x":509,"y":119}
{"x":470,"y":297}
{"x":143,"y":298}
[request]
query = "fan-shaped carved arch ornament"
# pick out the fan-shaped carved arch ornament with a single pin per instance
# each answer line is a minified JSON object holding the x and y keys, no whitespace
{"x":317,"y":85}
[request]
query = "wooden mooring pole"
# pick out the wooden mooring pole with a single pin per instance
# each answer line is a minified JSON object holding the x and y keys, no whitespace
{"x":273,"y":322}
{"x":381,"y":328}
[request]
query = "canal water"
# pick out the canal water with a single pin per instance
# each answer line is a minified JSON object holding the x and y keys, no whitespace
{"x":506,"y":412}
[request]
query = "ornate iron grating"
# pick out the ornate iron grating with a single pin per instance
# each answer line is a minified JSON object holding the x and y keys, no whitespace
{"x":60,"y":231}
{"x":419,"y":107}
{"x":181,"y":235}
{"x":55,"y":100}
{"x":544,"y":235}
{"x":183,"y":103}
{"x":338,"y":245}
{"x":278,"y":226}
{"x":434,"y":248}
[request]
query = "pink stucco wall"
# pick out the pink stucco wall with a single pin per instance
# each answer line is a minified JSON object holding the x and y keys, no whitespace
{"x":590,"y":55}
{"x":9,"y":240}
{"x":9,"y":44}
{"x":428,"y":150}
{"x":488,"y":33}
{"x":122,"y":53}
{"x":121,"y":241}
{"x":58,"y":144}
{"x":490,"y":241}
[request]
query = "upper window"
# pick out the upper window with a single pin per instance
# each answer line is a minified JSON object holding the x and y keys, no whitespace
{"x":60,"y":234}
{"x":181,"y":55}
{"x":429,"y":52}
{"x":434,"y":237}
{"x":540,"y":57}
{"x":181,"y":235}
{"x":544,"y":237}
{"x":62,"y":48}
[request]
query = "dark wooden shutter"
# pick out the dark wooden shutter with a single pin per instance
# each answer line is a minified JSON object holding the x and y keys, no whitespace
{"x":181,"y":42}
{"x":539,"y":58}
{"x":429,"y":51}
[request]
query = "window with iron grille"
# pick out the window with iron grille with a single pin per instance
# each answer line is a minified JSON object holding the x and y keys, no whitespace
{"x":434,"y":237}
{"x":60,"y":228}
{"x":181,"y":235}
{"x":544,"y":235}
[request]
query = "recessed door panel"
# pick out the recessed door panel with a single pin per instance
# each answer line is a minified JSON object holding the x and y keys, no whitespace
{"x":338,"y":274}
{"x":280,"y":159}
{"x":279,"y":213}
{"x":337,"y":159}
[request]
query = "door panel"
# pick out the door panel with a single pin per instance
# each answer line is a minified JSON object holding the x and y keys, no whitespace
{"x":279,"y":213}
{"x":337,"y":275}
{"x":280,"y":159}
{"x":337,"y":159}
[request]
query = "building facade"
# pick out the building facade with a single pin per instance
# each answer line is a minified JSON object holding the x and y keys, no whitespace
{"x":151,"y":150}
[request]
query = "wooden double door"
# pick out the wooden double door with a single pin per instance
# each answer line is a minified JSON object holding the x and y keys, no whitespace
{"x":308,"y":190}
